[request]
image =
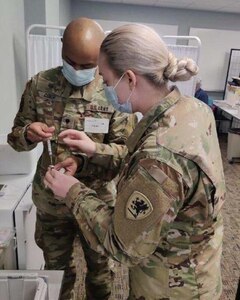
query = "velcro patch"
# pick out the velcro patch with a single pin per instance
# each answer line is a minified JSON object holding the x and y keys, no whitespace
{"x":138,"y":206}
{"x":128,"y":230}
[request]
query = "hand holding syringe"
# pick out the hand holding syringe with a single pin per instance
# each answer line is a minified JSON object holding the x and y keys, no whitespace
{"x":68,"y":166}
{"x":76,"y":141}
{"x":39,"y":132}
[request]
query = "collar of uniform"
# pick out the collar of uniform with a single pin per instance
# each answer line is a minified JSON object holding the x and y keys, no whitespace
{"x":67,"y":88}
{"x":154,"y":113}
{"x":86,"y":92}
{"x":53,"y":81}
{"x":93,"y":86}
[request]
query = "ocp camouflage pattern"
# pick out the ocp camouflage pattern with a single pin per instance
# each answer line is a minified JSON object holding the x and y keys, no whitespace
{"x":50,"y":99}
{"x":166,"y":224}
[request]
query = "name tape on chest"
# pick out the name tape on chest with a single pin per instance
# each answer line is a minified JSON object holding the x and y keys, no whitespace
{"x":96,"y":125}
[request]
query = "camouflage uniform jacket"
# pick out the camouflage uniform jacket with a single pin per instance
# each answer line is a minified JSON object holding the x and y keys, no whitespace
{"x":50,"y":99}
{"x":166,"y":224}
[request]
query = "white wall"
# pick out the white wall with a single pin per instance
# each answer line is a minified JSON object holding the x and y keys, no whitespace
{"x":34,"y":12}
{"x":17,"y":15}
{"x":13,"y":62}
{"x":161,"y":29}
{"x":184,"y":19}
{"x":52,"y":12}
{"x":216,"y":44}
{"x":64,"y":12}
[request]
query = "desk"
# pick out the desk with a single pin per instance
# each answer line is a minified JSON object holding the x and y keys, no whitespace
{"x":232,"y":111}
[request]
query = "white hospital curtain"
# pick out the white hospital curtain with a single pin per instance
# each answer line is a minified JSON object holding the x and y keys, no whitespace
{"x":44,"y":52}
{"x":181,"y":51}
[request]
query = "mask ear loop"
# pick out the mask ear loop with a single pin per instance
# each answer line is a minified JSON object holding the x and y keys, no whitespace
{"x":128,"y":99}
{"x":118,"y":81}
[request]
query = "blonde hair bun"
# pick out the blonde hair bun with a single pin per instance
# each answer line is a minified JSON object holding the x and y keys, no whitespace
{"x":139,"y":48}
{"x":180,"y":70}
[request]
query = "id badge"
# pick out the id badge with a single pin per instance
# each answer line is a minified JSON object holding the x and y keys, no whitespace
{"x":96,"y":125}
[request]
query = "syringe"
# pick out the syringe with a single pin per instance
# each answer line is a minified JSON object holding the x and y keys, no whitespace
{"x":50,"y":151}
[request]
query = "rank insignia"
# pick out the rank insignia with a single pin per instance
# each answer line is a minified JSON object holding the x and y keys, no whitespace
{"x":138,"y":206}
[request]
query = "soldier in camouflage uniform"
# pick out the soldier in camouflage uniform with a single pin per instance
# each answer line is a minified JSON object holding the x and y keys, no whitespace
{"x":53,"y":101}
{"x":166,"y":224}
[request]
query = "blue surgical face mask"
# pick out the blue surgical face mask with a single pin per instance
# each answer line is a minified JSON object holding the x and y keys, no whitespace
{"x":78,"y":77}
{"x":112,"y":98}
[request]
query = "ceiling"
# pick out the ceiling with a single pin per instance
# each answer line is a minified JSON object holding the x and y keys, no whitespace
{"x":231,"y":6}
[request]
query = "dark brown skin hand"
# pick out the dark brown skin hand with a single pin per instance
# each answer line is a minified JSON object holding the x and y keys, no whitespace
{"x":39,"y":132}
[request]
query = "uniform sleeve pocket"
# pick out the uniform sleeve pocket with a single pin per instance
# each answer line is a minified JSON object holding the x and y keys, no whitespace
{"x":140,"y":207}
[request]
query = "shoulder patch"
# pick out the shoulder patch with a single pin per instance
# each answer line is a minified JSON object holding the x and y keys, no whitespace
{"x":138,"y":206}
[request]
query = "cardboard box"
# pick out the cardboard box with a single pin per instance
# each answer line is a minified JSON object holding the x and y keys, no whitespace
{"x":233,"y":94}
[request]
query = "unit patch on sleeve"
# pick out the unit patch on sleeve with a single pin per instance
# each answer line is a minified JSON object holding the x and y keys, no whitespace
{"x":138,"y":206}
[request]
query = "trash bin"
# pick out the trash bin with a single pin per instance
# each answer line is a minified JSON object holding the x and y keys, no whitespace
{"x":233,"y":145}
{"x":15,"y":286}
{"x":7,"y":248}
